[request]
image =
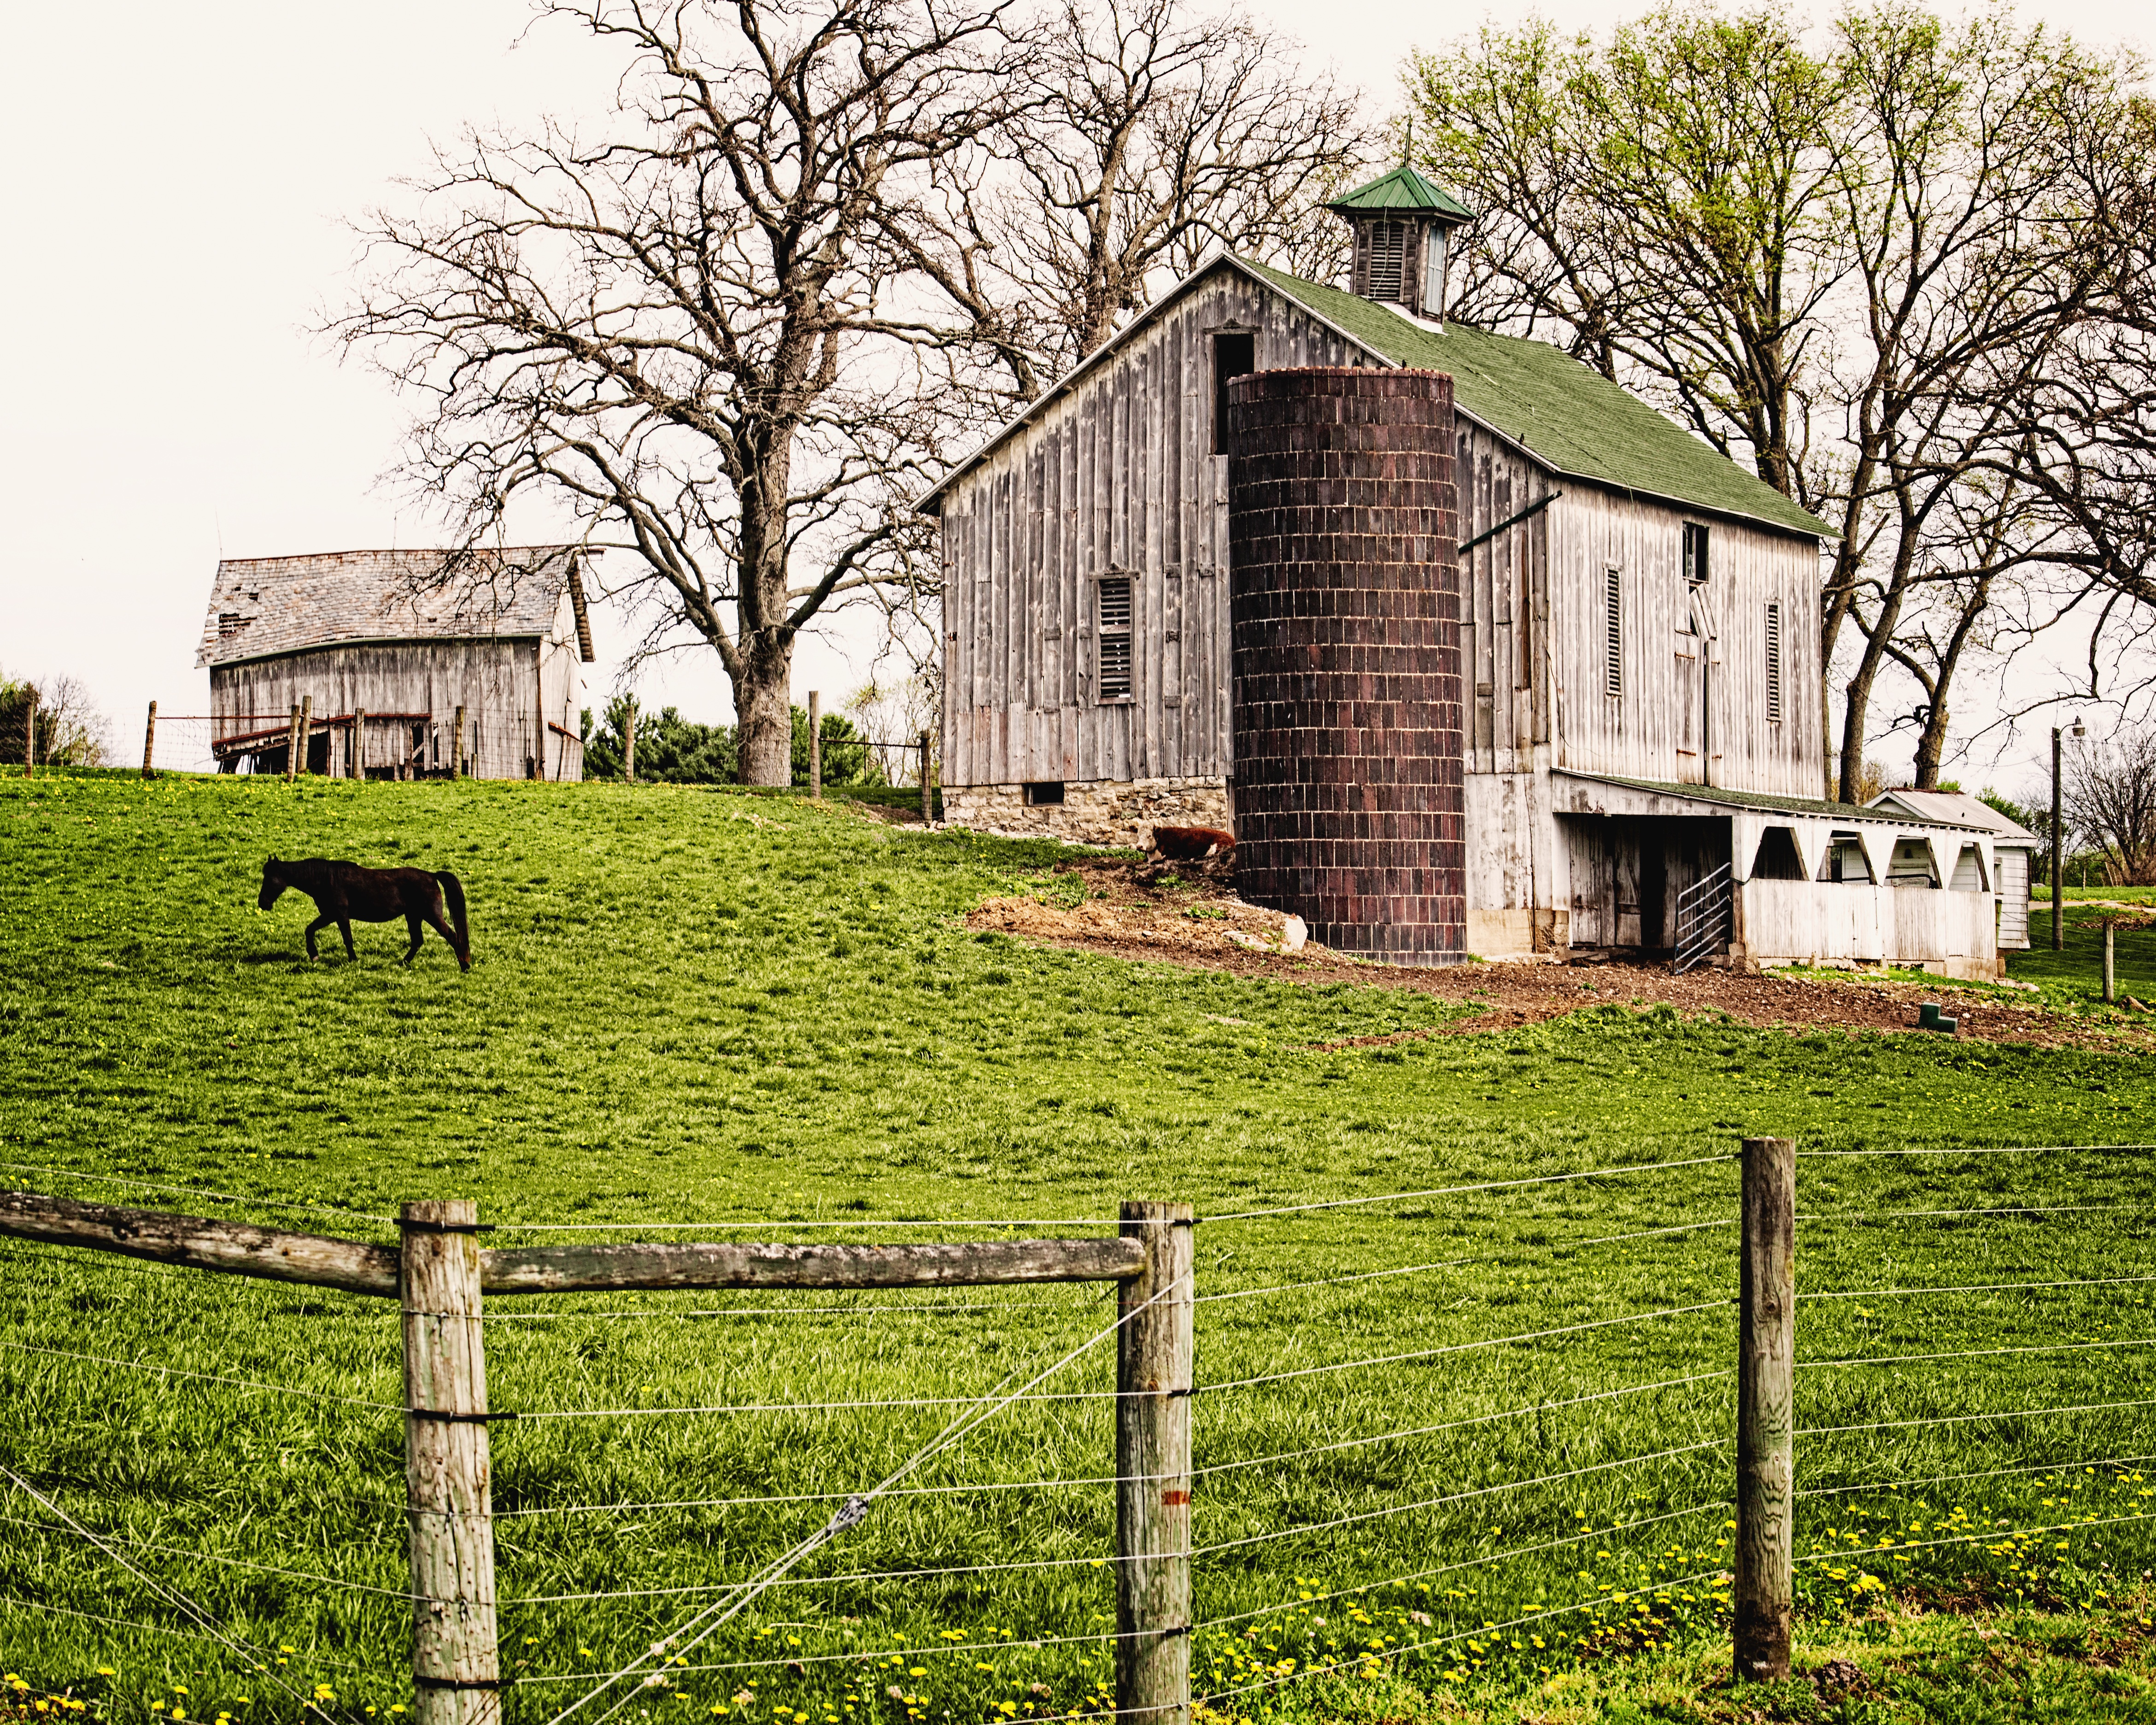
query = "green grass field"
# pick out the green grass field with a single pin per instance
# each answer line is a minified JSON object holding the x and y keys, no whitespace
{"x":693,"y":1006}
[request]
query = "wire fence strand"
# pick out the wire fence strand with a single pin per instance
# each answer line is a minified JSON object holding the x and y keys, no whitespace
{"x":1514,"y":1413}
{"x":1328,"y":1282}
{"x":1978,"y":1288}
{"x":1387,"y":1359}
{"x":333,"y":1581}
{"x":1397,"y":1509}
{"x":1988,"y":1473}
{"x":1896,"y":1359}
{"x":1597,"y":1173}
{"x":1482,"y":1563}
{"x":265,"y":1203}
{"x":1957,"y":1419}
{"x":150,"y":1366}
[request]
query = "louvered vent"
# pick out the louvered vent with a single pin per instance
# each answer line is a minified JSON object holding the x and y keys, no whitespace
{"x":1614,"y":631}
{"x":1115,"y":638}
{"x":1775,"y":660}
{"x":1389,"y":248}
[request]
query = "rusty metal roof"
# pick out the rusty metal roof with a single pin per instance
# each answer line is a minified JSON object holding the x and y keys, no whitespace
{"x":259,"y":607}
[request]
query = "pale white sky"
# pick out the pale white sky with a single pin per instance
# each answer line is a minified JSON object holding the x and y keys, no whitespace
{"x":177,"y":183}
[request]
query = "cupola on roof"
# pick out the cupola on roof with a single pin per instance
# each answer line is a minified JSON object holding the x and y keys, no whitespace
{"x":1402,"y":192}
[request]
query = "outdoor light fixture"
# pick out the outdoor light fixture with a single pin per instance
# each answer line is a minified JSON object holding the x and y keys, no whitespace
{"x":2080,"y":730}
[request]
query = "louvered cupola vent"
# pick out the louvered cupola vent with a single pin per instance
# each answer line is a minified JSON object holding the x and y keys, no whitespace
{"x":1401,"y":225}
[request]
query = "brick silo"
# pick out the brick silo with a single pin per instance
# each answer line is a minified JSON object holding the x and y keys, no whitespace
{"x":1344,"y":600}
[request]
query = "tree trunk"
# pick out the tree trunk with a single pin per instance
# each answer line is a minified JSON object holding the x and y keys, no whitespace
{"x":764,"y":711}
{"x":1931,"y":746}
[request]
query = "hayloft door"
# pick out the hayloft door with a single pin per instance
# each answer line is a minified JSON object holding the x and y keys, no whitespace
{"x":1695,"y":647}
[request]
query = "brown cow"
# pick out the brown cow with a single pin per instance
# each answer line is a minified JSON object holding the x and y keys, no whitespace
{"x":1191,"y":844}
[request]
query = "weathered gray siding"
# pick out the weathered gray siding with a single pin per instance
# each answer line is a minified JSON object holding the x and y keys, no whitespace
{"x":1653,"y":729}
{"x":1115,"y":477}
{"x":512,"y":690}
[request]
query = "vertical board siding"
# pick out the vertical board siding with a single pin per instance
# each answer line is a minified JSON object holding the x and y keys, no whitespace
{"x":1118,"y":476}
{"x":499,"y":683}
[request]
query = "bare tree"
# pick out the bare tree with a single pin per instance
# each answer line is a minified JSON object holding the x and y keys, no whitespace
{"x":2110,"y":796}
{"x":1155,"y":136}
{"x":699,"y":330}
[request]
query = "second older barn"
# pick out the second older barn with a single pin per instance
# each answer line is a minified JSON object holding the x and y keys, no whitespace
{"x":1628,"y":620}
{"x":388,"y":648}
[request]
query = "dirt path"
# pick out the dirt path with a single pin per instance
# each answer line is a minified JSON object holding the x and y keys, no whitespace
{"x":1130,"y":912}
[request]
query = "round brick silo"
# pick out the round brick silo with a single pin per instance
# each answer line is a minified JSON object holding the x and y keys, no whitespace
{"x":1344,"y":599}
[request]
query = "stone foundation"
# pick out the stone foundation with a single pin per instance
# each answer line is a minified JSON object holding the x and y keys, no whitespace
{"x":1104,"y":811}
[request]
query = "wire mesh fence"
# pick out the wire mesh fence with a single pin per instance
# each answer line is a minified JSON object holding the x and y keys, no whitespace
{"x":1439,"y":1433}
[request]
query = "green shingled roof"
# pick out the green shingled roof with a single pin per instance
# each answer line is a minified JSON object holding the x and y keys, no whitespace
{"x":1402,"y":189}
{"x":1568,"y":416}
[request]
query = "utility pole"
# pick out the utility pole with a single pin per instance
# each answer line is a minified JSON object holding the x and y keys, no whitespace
{"x":2059,"y":840}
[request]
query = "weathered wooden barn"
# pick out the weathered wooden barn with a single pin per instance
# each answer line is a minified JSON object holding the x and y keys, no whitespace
{"x":388,"y":647}
{"x":1617,"y":623}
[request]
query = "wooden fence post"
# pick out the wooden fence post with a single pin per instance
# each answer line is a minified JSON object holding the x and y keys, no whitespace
{"x":292,"y":744}
{"x":928,"y":802}
{"x":447,"y":1491}
{"x":1153,"y":1471}
{"x":457,"y":748}
{"x":150,"y":741}
{"x":815,"y":747}
{"x":2110,"y":961}
{"x":629,"y":742}
{"x":1766,"y":1411}
{"x":307,"y":735}
{"x":359,"y":744}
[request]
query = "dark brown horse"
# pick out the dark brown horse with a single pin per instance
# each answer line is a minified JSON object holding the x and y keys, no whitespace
{"x":344,"y":893}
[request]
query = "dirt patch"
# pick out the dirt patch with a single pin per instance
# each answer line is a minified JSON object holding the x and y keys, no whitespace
{"x":1183,"y":915}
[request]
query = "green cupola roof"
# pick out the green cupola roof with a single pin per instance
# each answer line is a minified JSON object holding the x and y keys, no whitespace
{"x":1403,"y":191}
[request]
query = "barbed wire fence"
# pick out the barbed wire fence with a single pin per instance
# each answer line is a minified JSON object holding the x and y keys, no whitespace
{"x":1558,"y":1534}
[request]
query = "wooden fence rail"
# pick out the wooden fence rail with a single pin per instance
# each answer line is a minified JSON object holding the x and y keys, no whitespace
{"x":440,"y":1273}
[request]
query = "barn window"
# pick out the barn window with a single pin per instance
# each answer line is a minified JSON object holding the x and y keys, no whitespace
{"x":1389,"y":250}
{"x":1695,"y":554}
{"x":1233,"y":356}
{"x":1613,"y":669}
{"x":1044,"y":793}
{"x":1774,"y":661}
{"x":1115,"y":637}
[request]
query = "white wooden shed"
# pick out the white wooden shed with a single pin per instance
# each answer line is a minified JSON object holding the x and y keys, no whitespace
{"x":2013,"y":844}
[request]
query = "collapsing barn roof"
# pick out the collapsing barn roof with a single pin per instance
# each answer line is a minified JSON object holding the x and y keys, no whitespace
{"x":259,"y":607}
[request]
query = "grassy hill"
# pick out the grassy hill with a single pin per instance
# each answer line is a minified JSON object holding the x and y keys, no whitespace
{"x":711,"y":1007}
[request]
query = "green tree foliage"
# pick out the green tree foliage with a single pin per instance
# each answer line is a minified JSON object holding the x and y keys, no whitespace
{"x":847,"y":757}
{"x":1851,"y":258}
{"x":670,"y":749}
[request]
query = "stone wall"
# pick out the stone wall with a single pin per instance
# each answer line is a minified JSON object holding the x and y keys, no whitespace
{"x":1343,"y":526}
{"x":1104,"y":812}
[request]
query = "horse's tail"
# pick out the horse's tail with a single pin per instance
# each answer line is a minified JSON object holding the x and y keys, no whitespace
{"x":453,"y":890}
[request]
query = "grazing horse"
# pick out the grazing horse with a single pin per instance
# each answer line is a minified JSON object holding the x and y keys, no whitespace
{"x":1191,"y":844}
{"x":344,"y":893}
